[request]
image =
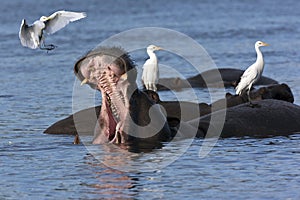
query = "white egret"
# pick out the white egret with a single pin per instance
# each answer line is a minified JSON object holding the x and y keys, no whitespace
{"x":32,"y":36}
{"x":253,"y":73}
{"x":150,"y":69}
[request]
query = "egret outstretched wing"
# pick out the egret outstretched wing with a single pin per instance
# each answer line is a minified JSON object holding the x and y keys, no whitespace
{"x":60,"y":19}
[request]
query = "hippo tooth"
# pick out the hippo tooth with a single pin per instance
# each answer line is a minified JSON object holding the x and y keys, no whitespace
{"x":84,"y":81}
{"x":124,"y":77}
{"x":113,"y":109}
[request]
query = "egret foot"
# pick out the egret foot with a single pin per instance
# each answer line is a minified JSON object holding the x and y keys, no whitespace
{"x":252,"y":105}
{"x":48,"y":47}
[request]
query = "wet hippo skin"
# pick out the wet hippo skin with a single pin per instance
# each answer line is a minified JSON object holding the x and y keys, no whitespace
{"x":88,"y":117}
{"x":271,"y":118}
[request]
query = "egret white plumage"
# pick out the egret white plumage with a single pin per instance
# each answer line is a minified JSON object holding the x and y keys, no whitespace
{"x":32,"y":36}
{"x":253,"y":73}
{"x":150,"y":69}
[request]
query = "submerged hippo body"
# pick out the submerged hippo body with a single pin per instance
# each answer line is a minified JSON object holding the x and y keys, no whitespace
{"x":222,"y":77}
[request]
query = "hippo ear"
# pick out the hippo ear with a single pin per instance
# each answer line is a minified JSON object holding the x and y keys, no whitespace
{"x":285,"y":85}
{"x":228,"y":95}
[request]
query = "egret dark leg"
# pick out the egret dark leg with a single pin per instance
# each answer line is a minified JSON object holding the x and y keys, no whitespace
{"x":249,"y":99}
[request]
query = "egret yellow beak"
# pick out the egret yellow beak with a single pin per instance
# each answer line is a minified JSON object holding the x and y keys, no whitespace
{"x":44,"y":18}
{"x":84,"y":81}
{"x":158,"y":48}
{"x":265,"y":44}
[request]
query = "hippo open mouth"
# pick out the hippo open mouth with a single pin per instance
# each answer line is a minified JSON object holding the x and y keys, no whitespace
{"x":115,"y":107}
{"x":106,"y":69}
{"x":112,"y":82}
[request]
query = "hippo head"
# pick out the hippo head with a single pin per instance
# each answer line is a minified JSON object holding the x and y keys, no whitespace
{"x":281,"y":92}
{"x":111,"y":71}
{"x":100,"y":59}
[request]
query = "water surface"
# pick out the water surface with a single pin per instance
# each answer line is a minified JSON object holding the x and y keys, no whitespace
{"x":37,"y":88}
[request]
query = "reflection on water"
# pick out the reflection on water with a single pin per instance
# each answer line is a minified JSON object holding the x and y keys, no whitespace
{"x":122,"y":159}
{"x":237,"y":167}
{"x":108,"y":182}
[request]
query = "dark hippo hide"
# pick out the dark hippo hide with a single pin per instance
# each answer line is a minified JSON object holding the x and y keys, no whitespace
{"x":270,"y":118}
{"x":87,"y":119}
{"x":230,"y":78}
{"x":184,"y":111}
{"x":277,"y":91}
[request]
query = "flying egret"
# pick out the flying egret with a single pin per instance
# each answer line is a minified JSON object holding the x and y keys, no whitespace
{"x":253,"y":73}
{"x":32,"y":36}
{"x":150,"y":69}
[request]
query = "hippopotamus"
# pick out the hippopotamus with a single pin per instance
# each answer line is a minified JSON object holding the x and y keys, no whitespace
{"x":174,"y":111}
{"x":211,"y":78}
{"x":136,"y":119}
{"x":123,"y":117}
{"x":271,"y":118}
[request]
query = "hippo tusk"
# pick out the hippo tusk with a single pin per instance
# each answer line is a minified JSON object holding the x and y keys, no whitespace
{"x":84,"y":81}
{"x":124,"y":77}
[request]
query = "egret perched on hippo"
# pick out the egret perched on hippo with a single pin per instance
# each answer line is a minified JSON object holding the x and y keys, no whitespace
{"x":253,"y":73}
{"x":113,"y":73}
{"x":150,"y":74}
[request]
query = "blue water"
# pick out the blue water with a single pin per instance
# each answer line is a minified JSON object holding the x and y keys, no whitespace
{"x":36,"y":90}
